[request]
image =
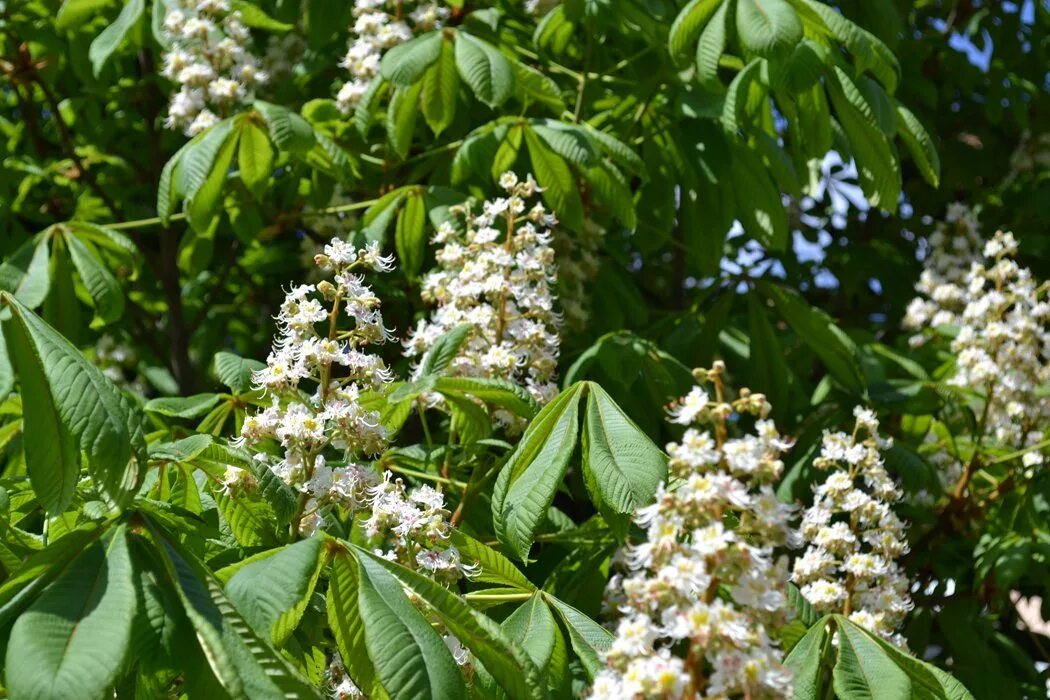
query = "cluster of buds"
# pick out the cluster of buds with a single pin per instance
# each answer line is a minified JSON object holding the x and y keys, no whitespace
{"x":853,"y":537}
{"x":380,"y":25}
{"x":701,"y":597}
{"x":496,"y":273}
{"x":209,"y":59}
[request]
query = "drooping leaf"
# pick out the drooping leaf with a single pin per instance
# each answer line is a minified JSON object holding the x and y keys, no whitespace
{"x":920,"y":145}
{"x":410,"y":234}
{"x":589,"y":639}
{"x":113,"y":36}
{"x":863,"y":671}
{"x":405,"y":64}
{"x":255,"y":157}
{"x":272,"y":593}
{"x":487,"y":71}
{"x":503,"y":659}
{"x":235,"y":371}
{"x":183,"y":406}
{"x":767,"y":27}
{"x":621,"y":465}
{"x":686,"y":28}
{"x":559,"y":186}
{"x":289,"y":131}
{"x":70,"y":392}
{"x":409,"y":657}
{"x":344,"y":619}
{"x":527,"y":483}
{"x":441,"y":89}
{"x":102,"y":286}
{"x":532,"y":626}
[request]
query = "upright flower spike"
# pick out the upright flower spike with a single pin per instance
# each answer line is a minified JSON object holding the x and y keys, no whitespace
{"x":210,"y":60}
{"x":1002,"y":346}
{"x":853,"y":537}
{"x":496,"y":273}
{"x":321,"y":428}
{"x":380,"y":25}
{"x":701,"y":597}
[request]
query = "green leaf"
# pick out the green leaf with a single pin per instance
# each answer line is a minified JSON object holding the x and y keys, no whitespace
{"x":377,"y":217}
{"x":758,"y":202}
{"x":204,"y":204}
{"x":487,"y":71}
{"x":183,"y":406}
{"x":495,"y":568}
{"x":272,"y":593}
{"x":559,"y":186}
{"x":244,"y":664}
{"x":441,"y":89}
{"x":685,"y":30}
{"x":197,"y":162}
{"x":344,"y":619}
{"x":255,"y":157}
{"x":289,"y":131}
{"x":589,"y":639}
{"x":7,"y":372}
{"x":805,"y":662}
{"x":927,"y":681}
{"x":410,"y":659}
{"x":868,"y":50}
{"x":527,"y":483}
{"x":622,"y":154}
{"x":710,"y":47}
{"x":506,"y":661}
{"x":863,"y":670}
{"x":253,"y":16}
{"x":920,"y":145}
{"x":102,"y":286}
{"x":819,"y":332}
{"x":410,"y":234}
{"x":877,"y":164}
{"x":443,"y":350}
{"x":498,"y":392}
{"x":538,"y":87}
{"x":767,"y":27}
{"x":73,"y":13}
{"x":737,"y":96}
{"x":801,"y":606}
{"x":401,"y":118}
{"x":251,"y":519}
{"x":235,"y":371}
{"x":532,"y":626}
{"x":113,"y":36}
{"x":71,"y":399}
{"x":567,"y":140}
{"x":26,"y":272}
{"x":72,"y":642}
{"x":622,"y":467}
{"x":404,"y":64}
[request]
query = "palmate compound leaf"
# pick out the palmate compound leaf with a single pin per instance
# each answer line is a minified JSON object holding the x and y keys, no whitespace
{"x":68,"y":398}
{"x":503,"y":659}
{"x":72,"y":642}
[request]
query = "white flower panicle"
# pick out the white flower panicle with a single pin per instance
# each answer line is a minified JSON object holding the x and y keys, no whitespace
{"x":380,"y":25}
{"x":316,"y":379}
{"x":853,"y":537}
{"x":209,"y":59}
{"x":953,"y":247}
{"x":701,"y":598}
{"x":497,"y":275}
{"x":1002,"y":347}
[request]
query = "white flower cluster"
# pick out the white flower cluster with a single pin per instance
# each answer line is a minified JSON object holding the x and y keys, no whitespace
{"x":952,"y":248}
{"x":699,"y":588}
{"x":380,"y":25}
{"x":1002,"y":348}
{"x":208,"y":58}
{"x":498,"y":276}
{"x":335,"y":364}
{"x":853,"y":537}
